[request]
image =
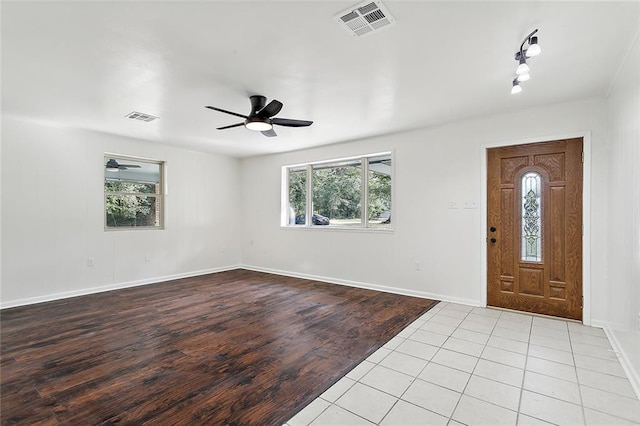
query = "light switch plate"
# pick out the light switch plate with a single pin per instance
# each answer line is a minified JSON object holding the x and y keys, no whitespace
{"x":470,"y":205}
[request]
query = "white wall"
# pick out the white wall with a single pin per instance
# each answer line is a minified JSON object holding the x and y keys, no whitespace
{"x":432,"y":167}
{"x":52,"y":215}
{"x":623,"y":279}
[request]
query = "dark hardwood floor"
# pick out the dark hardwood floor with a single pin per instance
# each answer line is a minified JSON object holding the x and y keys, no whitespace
{"x":235,"y":348}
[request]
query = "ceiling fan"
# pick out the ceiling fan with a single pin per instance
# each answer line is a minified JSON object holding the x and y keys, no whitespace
{"x":261,"y":119}
{"x":113,"y":166}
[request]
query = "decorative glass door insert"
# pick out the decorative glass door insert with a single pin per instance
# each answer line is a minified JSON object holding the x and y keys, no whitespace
{"x":531,"y":217}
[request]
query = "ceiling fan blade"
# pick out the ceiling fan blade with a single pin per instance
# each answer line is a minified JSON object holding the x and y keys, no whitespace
{"x":271,"y":109}
{"x":230,"y":126}
{"x":288,"y":122}
{"x":226,"y":112}
{"x":270,"y":133}
{"x":257,"y":103}
{"x":129,"y":166}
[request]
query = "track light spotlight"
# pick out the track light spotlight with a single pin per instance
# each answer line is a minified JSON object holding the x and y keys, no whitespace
{"x":534,"y":47}
{"x":523,"y":68}
{"x":522,"y":72}
{"x":516,"y":87}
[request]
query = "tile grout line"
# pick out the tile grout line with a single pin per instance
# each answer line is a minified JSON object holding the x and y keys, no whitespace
{"x":380,"y":390}
{"x":517,"y":411}
{"x":468,"y":380}
{"x":575,"y":367}
{"x":524,"y":372}
{"x":430,"y":361}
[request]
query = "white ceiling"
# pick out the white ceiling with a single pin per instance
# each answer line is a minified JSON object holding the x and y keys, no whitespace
{"x":88,"y":64}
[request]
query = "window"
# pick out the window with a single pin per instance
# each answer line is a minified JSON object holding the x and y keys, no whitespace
{"x":133,"y":193}
{"x":346,"y":193}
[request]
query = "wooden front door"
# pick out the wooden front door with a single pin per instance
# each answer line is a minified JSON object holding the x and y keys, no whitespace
{"x":534,"y":228}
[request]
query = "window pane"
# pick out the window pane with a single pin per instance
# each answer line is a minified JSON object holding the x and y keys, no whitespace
{"x":337,"y":190}
{"x":130,"y":187}
{"x":132,"y":211}
{"x":297,"y":196}
{"x":129,"y":170}
{"x":531,"y":218}
{"x":379,"y":181}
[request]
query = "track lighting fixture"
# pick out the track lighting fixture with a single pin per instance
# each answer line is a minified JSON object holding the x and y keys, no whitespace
{"x":522,"y":72}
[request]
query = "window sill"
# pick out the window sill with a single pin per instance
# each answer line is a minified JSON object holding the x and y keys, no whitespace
{"x":330,"y":228}
{"x":135,"y":228}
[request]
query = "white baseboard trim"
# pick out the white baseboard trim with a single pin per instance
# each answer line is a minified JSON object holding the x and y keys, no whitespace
{"x":632,"y":373}
{"x":110,"y":287}
{"x":367,"y":286}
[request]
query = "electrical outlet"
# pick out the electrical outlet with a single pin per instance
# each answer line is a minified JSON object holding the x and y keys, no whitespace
{"x":147,"y":257}
{"x":418,"y":266}
{"x":91,"y":261}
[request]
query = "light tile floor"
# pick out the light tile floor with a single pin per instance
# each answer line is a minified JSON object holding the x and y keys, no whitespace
{"x":475,"y":366}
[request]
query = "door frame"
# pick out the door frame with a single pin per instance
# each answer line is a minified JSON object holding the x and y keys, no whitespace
{"x":586,"y":213}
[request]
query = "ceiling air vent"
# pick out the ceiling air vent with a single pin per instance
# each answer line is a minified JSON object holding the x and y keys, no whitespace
{"x":365,"y":18}
{"x":141,"y":116}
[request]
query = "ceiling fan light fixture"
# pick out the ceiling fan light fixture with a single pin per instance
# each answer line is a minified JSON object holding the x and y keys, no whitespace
{"x":524,"y":77}
{"x":258,"y":124}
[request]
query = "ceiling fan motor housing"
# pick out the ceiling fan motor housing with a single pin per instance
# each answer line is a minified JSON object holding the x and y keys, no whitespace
{"x":257,"y":103}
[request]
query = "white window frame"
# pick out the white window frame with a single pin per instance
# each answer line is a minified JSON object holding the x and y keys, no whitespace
{"x":159,"y":196}
{"x":364,"y":191}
